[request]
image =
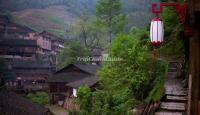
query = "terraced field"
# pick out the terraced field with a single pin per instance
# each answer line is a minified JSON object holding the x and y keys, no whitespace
{"x":55,"y":19}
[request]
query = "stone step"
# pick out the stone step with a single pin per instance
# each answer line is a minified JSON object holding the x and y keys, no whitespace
{"x":176,"y":93}
{"x":182,"y":99}
{"x":172,"y":106}
{"x":172,"y":70}
{"x":172,"y":66}
{"x":172,"y":73}
{"x":168,"y":113}
{"x":175,"y":88}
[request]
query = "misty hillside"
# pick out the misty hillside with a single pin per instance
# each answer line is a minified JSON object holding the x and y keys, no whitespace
{"x":56,"y":16}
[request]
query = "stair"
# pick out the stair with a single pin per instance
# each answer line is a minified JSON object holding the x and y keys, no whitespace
{"x":172,"y":106}
{"x":168,"y":113}
{"x":179,"y":99}
{"x":175,"y":99}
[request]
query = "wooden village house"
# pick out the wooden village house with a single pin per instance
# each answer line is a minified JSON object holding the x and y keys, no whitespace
{"x":30,"y":75}
{"x":18,"y":49}
{"x":30,"y":56}
{"x":65,"y":82}
{"x":57,"y":43}
{"x":48,"y":44}
{"x":10,"y":29}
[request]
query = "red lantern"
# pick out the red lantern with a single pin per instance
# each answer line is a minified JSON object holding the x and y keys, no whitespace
{"x":156,"y":31}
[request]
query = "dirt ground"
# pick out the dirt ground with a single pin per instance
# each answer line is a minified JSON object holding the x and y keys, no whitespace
{"x":57,"y":110}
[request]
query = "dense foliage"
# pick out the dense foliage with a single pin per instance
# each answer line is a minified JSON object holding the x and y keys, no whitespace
{"x":135,"y":79}
{"x":88,"y":33}
{"x":176,"y":46}
{"x":174,"y":41}
{"x":125,"y":83}
{"x":71,"y":52}
{"x":108,"y":13}
{"x":41,"y":98}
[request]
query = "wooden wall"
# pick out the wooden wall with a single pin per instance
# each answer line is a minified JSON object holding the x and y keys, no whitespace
{"x":195,"y":71}
{"x":196,"y":5}
{"x":194,"y":58}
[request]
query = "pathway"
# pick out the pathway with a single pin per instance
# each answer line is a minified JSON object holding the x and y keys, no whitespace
{"x":174,"y":101}
{"x":56,"y":110}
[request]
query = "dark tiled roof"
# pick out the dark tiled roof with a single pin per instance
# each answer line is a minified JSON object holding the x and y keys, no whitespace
{"x":89,"y":68}
{"x":22,"y":28}
{"x":16,"y":28}
{"x":31,"y":65}
{"x":53,"y":37}
{"x":67,"y":77}
{"x":14,"y":104}
{"x":92,"y":69}
{"x":17,"y":42}
{"x":89,"y":81}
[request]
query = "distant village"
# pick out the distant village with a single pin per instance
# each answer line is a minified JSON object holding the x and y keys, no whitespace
{"x":31,"y":60}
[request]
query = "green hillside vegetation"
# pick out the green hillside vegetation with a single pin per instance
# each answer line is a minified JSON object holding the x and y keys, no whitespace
{"x":74,"y":5}
{"x":54,"y":19}
{"x":57,"y":16}
{"x":173,"y":46}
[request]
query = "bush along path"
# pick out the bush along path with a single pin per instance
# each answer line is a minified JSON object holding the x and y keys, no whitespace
{"x":175,"y":98}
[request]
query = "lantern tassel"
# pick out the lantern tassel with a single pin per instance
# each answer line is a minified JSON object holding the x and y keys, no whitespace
{"x":155,"y":54}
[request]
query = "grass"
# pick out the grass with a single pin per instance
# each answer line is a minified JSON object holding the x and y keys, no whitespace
{"x":158,"y":89}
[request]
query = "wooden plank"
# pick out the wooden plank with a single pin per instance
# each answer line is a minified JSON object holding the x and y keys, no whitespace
{"x":176,"y":93}
{"x":176,"y":98}
{"x":168,"y":113}
{"x":189,"y":94}
{"x":172,"y":70}
{"x":172,"y":106}
{"x":196,"y":5}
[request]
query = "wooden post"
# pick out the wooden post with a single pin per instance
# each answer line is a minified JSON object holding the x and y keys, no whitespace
{"x":195,"y":72}
{"x":189,"y":94}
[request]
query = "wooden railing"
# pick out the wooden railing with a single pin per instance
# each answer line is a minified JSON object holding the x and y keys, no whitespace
{"x":71,"y":105}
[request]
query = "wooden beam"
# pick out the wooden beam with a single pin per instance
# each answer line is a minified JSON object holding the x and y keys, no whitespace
{"x":196,"y":5}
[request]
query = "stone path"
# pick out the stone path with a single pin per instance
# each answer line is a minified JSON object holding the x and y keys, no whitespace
{"x":174,"y":101}
{"x":56,"y":110}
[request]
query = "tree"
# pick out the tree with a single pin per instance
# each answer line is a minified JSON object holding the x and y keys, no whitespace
{"x":85,"y":98}
{"x":125,"y":83}
{"x":41,"y":98}
{"x":87,"y":32}
{"x":71,"y":52}
{"x":108,"y":14}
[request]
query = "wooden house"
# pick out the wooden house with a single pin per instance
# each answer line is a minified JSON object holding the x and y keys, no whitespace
{"x":97,"y":55}
{"x":57,"y":43}
{"x":8,"y":28}
{"x":30,"y":75}
{"x":65,"y":82}
{"x":11,"y":48}
{"x":91,"y":82}
{"x":44,"y":44}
